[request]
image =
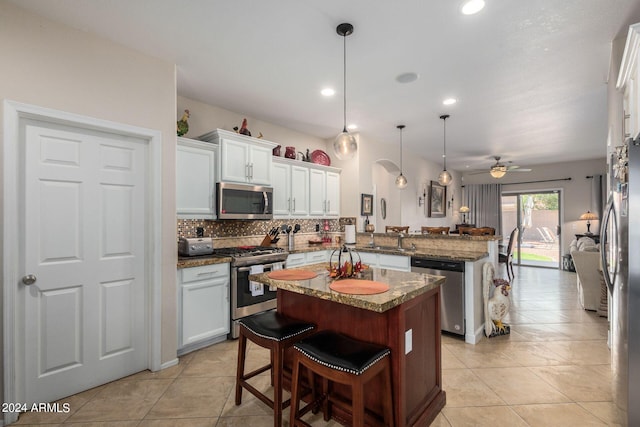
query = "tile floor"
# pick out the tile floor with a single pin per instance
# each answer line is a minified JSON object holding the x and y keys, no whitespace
{"x":552,"y":370}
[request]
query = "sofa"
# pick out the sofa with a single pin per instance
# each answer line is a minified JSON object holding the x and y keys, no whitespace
{"x":586,"y":259}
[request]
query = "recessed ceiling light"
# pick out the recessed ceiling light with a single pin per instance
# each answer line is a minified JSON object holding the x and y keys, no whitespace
{"x":472,"y":6}
{"x":352,"y":126}
{"x":449,"y":101}
{"x":328,"y":92}
{"x":407,"y":77}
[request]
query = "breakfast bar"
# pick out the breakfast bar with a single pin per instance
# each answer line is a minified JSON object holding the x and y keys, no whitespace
{"x":405,"y":318}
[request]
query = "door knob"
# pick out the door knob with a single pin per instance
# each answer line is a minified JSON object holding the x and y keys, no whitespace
{"x":29,"y":279}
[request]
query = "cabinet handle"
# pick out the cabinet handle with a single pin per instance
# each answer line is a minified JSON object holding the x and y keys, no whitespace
{"x":294,"y":204}
{"x":289,"y":204}
{"x":250,"y":170}
{"x":246,"y":170}
{"x":324,"y":206}
{"x":328,"y":206}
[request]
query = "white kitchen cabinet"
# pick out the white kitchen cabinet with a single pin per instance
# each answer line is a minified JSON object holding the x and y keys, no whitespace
{"x":203,"y":306}
{"x":628,"y":82}
{"x":195,"y":179}
{"x":290,"y":190}
{"x":306,"y":258}
{"x":324,"y":190}
{"x":243,"y":159}
{"x":391,"y":262}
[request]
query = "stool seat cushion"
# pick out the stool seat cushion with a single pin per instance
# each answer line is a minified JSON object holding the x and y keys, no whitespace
{"x":274,"y":326}
{"x":340,"y":352}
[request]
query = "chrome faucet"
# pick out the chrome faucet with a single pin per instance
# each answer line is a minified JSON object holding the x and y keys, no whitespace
{"x":400,"y":237}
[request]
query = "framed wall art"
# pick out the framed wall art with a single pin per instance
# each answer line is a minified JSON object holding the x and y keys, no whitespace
{"x":366,"y":204}
{"x":437,"y":200}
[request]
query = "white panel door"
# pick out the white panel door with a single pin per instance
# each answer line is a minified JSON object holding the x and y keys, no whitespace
{"x":281,"y":190}
{"x":299,"y":191}
{"x":317,"y":196}
{"x":84,"y":203}
{"x":234,"y":161}
{"x":260,"y":160}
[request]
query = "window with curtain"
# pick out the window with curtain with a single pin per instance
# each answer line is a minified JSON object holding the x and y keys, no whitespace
{"x":484,"y":201}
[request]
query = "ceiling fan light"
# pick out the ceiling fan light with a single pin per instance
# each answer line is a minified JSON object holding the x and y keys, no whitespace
{"x":471,"y":7}
{"x":444,"y":178}
{"x":498,"y":171}
{"x":401,"y":181}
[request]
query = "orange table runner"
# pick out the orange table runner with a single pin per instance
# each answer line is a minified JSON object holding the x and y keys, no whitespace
{"x":358,"y":287}
{"x":291,"y":274}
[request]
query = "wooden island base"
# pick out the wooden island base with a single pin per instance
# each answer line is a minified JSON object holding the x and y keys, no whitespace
{"x":413,"y":325}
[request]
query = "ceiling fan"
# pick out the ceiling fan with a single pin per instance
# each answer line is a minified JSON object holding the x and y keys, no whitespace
{"x":498,"y":170}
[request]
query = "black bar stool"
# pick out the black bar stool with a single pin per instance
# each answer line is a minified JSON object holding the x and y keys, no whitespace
{"x":341,"y":359}
{"x":276,"y":332}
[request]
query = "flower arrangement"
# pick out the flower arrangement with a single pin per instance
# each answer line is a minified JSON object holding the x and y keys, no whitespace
{"x":343,"y":265}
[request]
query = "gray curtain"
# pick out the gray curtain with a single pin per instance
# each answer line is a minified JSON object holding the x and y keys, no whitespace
{"x":598,"y":194}
{"x":485,"y":205}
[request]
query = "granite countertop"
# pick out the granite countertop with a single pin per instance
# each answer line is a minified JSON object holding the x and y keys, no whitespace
{"x":444,"y":254}
{"x":199,"y":261}
{"x":403,"y":286}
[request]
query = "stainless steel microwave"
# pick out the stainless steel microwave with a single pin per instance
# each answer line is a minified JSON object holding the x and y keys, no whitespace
{"x":243,"y":201}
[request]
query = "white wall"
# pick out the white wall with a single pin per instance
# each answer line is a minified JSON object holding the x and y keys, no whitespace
{"x":50,"y":65}
{"x":576,"y":193}
{"x":365,"y":175}
{"x":205,"y":118}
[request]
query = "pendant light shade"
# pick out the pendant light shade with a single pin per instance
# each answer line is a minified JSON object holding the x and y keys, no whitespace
{"x":401,"y":180}
{"x":345,"y":145}
{"x":445,"y":177}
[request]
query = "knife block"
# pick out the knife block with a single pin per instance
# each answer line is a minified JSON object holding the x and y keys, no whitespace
{"x":267,"y":241}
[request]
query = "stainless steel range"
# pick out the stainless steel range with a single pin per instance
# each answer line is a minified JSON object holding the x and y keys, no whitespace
{"x":248,"y":298}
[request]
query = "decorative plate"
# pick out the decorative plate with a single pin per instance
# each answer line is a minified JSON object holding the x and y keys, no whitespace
{"x":321,"y":158}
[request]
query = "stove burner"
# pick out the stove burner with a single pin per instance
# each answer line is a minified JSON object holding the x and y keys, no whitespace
{"x":252,"y":255}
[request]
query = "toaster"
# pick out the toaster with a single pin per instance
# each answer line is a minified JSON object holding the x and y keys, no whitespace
{"x":195,"y":246}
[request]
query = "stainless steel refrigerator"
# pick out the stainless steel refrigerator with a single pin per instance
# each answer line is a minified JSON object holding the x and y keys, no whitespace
{"x":620,"y":250}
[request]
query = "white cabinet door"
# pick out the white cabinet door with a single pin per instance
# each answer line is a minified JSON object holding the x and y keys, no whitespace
{"x":281,"y":175}
{"x":203,"y":304}
{"x":296,"y":260}
{"x":260,"y":159}
{"x":195,"y":179}
{"x":332,"y":194}
{"x":318,"y":257}
{"x":317,"y":192}
{"x":394,"y":262}
{"x":299,"y":191}
{"x":234,"y":159}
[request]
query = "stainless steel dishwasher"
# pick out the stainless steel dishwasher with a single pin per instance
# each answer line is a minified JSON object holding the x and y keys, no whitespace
{"x":451,"y":292}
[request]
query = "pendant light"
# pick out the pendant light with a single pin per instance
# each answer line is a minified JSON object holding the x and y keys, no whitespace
{"x":401,"y":180}
{"x":445,"y":177}
{"x":345,"y":145}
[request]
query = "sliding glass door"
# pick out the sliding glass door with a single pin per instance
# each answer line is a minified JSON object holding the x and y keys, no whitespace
{"x":538,"y":216}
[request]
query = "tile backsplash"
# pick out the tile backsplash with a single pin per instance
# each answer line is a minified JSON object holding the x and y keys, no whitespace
{"x":240,"y":232}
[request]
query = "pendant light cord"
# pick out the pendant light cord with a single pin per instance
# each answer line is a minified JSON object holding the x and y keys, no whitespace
{"x":444,"y":118}
{"x":344,"y":82}
{"x":400,"y":151}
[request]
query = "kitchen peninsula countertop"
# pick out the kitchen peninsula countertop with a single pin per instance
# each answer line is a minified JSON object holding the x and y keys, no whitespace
{"x":403,"y":286}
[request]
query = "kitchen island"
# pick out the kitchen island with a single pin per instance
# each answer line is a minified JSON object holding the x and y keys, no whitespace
{"x":406,"y":318}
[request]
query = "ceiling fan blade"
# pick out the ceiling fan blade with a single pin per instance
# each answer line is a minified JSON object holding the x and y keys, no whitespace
{"x":519,"y":170}
{"x":476,"y":172}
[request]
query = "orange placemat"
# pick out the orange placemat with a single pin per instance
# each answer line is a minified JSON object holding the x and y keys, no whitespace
{"x":291,"y":274}
{"x":359,"y":287}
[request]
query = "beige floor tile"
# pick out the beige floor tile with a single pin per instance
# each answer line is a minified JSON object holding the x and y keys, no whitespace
{"x":180,"y":422}
{"x":519,"y":386}
{"x":250,"y":405}
{"x":464,"y":388}
{"x":103,"y":424}
{"x":539,"y":332}
{"x":579,"y":383}
{"x":534,"y":354}
{"x":193,"y":397}
{"x":484,"y":354}
{"x":112,"y":410}
{"x":441,"y":421}
{"x":246,"y":421}
{"x":608,"y":412}
{"x":557,"y":415}
{"x":170,"y":372}
{"x":449,"y":361}
{"x":582,"y":352}
{"x":490,"y":416}
{"x":134,"y":389}
{"x":215,"y":364}
{"x":74,"y":403}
